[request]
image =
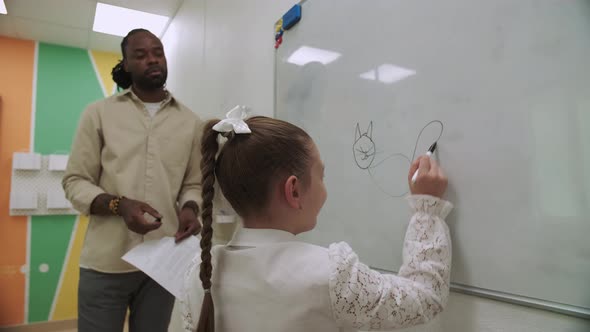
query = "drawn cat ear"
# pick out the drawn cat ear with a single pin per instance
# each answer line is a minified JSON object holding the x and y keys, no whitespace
{"x":357,"y":133}
{"x":370,"y":130}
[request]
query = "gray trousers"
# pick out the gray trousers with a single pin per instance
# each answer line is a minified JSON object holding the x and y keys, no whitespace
{"x":103,"y":300}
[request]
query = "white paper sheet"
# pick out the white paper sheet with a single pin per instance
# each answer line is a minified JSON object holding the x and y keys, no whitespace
{"x":165,"y":261}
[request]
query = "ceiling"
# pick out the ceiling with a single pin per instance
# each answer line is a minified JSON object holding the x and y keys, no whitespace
{"x":69,"y":22}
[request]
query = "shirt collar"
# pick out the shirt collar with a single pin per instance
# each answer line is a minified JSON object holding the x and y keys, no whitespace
{"x":128,"y":92}
{"x":251,"y":237}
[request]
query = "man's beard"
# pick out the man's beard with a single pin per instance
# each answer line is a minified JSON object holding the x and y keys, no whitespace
{"x":148,"y":83}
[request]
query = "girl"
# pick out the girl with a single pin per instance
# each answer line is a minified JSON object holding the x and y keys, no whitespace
{"x":271,"y":173}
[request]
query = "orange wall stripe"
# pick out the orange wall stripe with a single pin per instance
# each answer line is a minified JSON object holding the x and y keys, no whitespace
{"x":16,"y":88}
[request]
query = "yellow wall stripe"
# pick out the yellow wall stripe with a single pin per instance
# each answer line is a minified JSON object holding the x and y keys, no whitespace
{"x":104,"y":63}
{"x":66,"y":306}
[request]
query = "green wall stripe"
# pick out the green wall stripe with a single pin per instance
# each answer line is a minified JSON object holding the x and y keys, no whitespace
{"x":50,"y":236}
{"x":66,"y":84}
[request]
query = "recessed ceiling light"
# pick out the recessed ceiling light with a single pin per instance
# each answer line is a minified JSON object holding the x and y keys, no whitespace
{"x":3,"y":7}
{"x":118,"y":21}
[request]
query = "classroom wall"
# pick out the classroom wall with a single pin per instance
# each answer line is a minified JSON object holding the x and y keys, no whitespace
{"x":220,"y":53}
{"x":44,"y":88}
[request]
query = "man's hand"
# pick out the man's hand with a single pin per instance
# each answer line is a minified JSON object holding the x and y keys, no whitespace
{"x":133,"y":212}
{"x":188,"y":222}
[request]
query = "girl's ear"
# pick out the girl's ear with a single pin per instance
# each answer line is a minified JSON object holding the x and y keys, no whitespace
{"x":292,"y":192}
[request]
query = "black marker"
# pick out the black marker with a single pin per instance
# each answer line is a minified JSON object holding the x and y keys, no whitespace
{"x":429,"y":154}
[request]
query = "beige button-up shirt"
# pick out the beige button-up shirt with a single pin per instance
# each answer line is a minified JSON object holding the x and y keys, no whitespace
{"x":121,"y":150}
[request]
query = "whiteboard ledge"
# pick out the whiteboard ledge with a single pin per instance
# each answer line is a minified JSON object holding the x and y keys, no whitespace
{"x":561,"y":308}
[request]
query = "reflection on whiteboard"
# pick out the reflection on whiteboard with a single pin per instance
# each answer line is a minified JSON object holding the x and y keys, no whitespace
{"x":389,"y":173}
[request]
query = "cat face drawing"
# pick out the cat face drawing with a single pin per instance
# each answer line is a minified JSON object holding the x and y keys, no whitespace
{"x":388,"y":172}
{"x":364,"y":148}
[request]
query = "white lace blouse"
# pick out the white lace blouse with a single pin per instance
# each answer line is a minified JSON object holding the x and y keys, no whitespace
{"x":267,"y":280}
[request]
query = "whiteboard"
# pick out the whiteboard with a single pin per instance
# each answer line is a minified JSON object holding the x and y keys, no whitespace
{"x":505,"y":88}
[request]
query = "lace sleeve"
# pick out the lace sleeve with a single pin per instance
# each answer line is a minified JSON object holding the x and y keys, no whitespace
{"x":366,"y":299}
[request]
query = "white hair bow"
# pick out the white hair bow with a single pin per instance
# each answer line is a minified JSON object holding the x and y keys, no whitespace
{"x":234,"y":121}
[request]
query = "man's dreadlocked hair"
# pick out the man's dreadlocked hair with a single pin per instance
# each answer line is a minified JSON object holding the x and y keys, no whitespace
{"x":120,"y":76}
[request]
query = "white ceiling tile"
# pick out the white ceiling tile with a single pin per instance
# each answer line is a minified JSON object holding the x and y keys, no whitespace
{"x":103,"y":42}
{"x":50,"y":33}
{"x":7,"y":27}
{"x":160,"y":7}
{"x":72,"y":13}
{"x":69,"y":22}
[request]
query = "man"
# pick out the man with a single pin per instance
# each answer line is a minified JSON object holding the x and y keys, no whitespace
{"x":134,"y":168}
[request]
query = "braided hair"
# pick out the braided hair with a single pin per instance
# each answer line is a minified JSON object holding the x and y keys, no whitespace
{"x":120,"y":76}
{"x":209,"y":148}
